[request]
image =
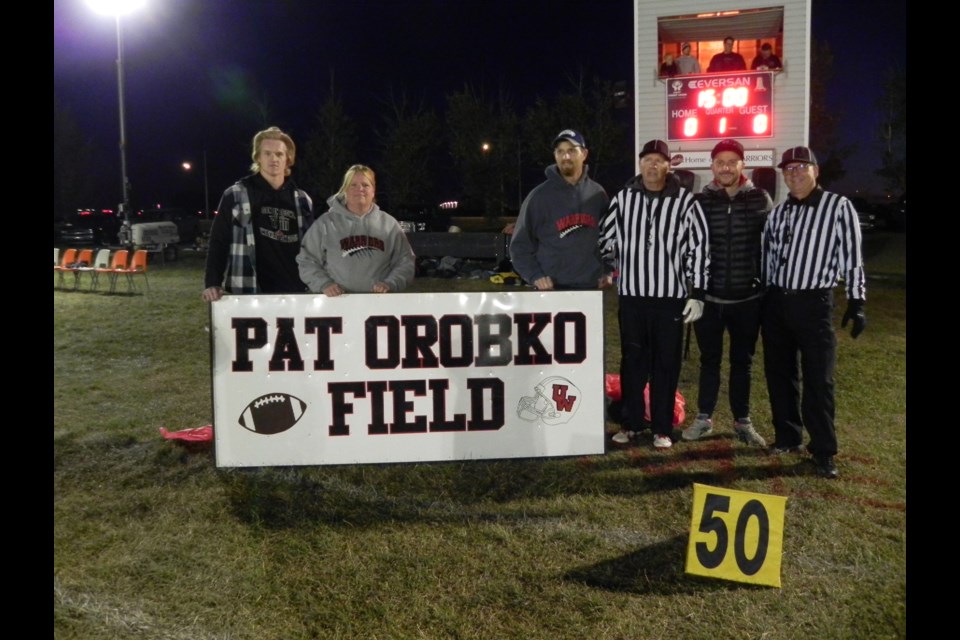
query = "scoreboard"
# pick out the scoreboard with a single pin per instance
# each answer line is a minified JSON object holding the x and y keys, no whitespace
{"x":727,"y":105}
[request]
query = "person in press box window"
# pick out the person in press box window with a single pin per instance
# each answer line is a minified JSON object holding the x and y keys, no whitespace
{"x":686,"y":63}
{"x":767,"y":60}
{"x":728,"y":59}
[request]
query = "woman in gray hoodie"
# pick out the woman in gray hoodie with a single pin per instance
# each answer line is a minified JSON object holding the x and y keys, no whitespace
{"x":355,"y":247}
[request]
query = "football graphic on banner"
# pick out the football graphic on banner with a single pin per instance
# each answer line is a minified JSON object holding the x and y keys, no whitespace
{"x":272,"y":413}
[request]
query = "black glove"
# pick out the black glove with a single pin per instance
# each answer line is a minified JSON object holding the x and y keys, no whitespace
{"x":856,"y":313}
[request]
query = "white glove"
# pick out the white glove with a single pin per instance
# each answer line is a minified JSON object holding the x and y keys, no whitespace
{"x":692,"y":311}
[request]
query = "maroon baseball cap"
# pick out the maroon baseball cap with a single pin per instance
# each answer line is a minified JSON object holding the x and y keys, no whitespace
{"x":727,"y":145}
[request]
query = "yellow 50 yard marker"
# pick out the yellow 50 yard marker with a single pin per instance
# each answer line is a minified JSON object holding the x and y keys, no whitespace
{"x":736,"y":535}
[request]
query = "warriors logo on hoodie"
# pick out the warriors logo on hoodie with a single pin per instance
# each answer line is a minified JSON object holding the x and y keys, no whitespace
{"x":569,"y":224}
{"x":352,"y":245}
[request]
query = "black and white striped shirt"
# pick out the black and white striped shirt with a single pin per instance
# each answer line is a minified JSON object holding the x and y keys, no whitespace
{"x":658,"y":241}
{"x":812,"y":243}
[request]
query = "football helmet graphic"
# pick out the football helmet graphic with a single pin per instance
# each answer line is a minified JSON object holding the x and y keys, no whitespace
{"x":555,"y":401}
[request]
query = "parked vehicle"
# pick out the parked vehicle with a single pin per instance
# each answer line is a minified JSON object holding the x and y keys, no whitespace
{"x":421,"y":217}
{"x":77,"y":236}
{"x":154,"y":235}
{"x":88,"y":227}
{"x":185,"y":222}
{"x":866,"y":212}
{"x":894,"y":215}
{"x":885,"y":216}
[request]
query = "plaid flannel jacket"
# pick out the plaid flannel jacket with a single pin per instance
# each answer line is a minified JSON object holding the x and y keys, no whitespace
{"x":241,"y":276}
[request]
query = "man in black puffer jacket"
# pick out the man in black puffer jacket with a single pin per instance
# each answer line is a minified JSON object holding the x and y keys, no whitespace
{"x":736,"y":212}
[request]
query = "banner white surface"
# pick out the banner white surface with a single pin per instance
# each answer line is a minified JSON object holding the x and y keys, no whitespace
{"x":310,"y":380}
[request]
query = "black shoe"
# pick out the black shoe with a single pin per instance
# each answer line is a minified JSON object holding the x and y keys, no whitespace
{"x":826,"y":467}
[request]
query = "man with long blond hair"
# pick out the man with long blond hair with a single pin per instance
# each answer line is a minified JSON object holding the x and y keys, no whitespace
{"x":261,"y":219}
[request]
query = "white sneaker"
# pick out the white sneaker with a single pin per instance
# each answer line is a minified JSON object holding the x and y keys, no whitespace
{"x":747,"y":434}
{"x":662,"y":442}
{"x":622,"y":437}
{"x":702,"y":426}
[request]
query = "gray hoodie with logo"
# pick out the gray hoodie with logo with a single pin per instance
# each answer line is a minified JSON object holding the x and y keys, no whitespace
{"x":557,"y":231}
{"x":355,"y":252}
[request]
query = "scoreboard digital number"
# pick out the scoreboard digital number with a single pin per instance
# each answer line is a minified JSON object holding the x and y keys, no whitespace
{"x":729,"y":105}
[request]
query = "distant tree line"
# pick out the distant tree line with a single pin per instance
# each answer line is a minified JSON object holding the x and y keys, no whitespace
{"x":479,"y":151}
{"x":891,"y":142}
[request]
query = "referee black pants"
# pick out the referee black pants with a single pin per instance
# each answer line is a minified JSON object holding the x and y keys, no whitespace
{"x":651,"y":348}
{"x":799,"y":340}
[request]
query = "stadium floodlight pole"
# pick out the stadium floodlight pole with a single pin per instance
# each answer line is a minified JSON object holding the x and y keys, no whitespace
{"x":118,"y":8}
{"x":187,"y":166}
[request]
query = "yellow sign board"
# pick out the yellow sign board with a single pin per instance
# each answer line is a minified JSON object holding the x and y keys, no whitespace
{"x":736,"y":535}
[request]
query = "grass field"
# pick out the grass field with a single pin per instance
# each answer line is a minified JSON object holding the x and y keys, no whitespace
{"x":151,"y":540}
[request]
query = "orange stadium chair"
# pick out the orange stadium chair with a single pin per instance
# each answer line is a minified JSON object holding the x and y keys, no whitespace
{"x":118,"y":264}
{"x":138,"y":266}
{"x":83,"y":263}
{"x":69,"y":257}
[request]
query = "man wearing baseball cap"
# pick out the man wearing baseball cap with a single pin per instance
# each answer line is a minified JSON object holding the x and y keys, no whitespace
{"x":686,"y":63}
{"x":810,"y":242}
{"x":736,"y":211}
{"x":655,"y":233}
{"x":554,"y":243}
{"x":766,"y":60}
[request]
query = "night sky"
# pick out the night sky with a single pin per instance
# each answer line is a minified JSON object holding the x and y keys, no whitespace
{"x":200,"y":73}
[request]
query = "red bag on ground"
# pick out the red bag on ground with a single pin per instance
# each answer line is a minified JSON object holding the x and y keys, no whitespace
{"x":198,"y":434}
{"x":615,"y":393}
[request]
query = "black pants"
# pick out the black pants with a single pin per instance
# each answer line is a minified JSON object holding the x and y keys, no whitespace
{"x":798,"y":338}
{"x":742,"y":321}
{"x":651,"y":348}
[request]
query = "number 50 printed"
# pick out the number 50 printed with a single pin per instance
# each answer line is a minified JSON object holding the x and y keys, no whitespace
{"x":736,"y":535}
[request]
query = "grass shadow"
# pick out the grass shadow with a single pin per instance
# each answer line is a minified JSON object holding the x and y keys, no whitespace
{"x":656,"y":569}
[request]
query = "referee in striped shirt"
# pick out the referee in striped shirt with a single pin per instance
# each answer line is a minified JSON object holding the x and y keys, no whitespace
{"x":656,"y":234}
{"x":810,"y":242}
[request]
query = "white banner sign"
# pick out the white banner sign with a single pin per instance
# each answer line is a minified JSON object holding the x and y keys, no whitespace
{"x":307,"y":380}
{"x":701,"y":159}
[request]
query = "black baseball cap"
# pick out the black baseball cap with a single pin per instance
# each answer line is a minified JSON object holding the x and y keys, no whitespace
{"x":797,"y":154}
{"x":656,"y":146}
